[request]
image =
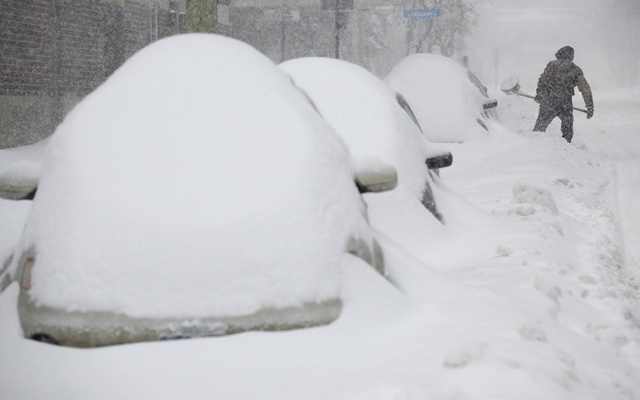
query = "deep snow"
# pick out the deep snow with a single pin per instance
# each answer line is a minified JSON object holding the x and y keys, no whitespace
{"x":531,"y":290}
{"x":531,"y":293}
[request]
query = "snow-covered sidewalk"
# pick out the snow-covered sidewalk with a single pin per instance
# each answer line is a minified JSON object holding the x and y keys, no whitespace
{"x":612,"y":139}
{"x":577,"y":202}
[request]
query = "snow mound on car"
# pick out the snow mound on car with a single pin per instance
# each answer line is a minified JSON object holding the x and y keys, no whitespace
{"x":197,"y":180}
{"x":444,"y":100}
{"x":366,"y":114}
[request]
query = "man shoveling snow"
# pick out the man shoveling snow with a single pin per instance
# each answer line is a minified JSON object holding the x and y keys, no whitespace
{"x":555,"y":90}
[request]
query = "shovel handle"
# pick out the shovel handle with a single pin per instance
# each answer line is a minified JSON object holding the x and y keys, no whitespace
{"x":532,"y":97}
{"x":526,"y":95}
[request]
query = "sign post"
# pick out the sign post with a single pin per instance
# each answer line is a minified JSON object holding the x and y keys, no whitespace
{"x":339,"y":8}
{"x":422,"y":14}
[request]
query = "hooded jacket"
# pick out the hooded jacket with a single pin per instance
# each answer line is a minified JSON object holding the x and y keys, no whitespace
{"x":560,"y":77}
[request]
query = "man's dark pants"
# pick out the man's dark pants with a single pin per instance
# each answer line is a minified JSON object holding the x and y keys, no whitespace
{"x":552,"y":107}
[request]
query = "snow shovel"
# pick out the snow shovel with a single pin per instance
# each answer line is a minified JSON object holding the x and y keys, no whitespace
{"x":512,"y":86}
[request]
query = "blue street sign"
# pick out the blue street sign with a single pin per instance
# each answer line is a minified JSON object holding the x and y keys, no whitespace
{"x":422,"y":14}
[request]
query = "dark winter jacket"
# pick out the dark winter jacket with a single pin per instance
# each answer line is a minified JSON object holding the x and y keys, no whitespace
{"x":560,"y":77}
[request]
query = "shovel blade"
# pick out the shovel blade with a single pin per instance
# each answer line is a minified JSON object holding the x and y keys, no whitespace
{"x":510,"y":85}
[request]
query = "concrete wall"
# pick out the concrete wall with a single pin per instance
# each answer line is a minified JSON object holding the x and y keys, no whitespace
{"x":55,"y":52}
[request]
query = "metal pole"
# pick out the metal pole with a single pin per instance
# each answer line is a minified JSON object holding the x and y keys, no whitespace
{"x":282,"y":41}
{"x":337,"y":31}
{"x":57,"y":89}
{"x":495,"y":66}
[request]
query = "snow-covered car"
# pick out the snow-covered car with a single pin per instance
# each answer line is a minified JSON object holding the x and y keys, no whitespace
{"x":197,"y":192}
{"x":373,"y":120}
{"x":449,"y":101}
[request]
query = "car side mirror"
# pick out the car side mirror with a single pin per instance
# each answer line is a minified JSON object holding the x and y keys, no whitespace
{"x":20,"y":170}
{"x":440,"y":161}
{"x":11,"y":190}
{"x":374,"y":176}
{"x":489,"y":104}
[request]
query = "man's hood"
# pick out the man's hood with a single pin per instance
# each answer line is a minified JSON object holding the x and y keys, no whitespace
{"x":565,"y":53}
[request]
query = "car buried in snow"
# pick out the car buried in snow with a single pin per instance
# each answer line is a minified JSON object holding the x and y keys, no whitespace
{"x":449,"y":101}
{"x":203,"y":198}
{"x":374,"y":121}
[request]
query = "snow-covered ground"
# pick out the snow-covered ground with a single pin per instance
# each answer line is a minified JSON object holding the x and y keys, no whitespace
{"x":532,"y":291}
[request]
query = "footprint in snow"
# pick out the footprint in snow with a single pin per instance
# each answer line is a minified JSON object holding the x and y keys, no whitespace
{"x":465,"y":354}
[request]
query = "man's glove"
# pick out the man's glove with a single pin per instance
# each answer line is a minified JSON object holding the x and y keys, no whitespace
{"x":589,"y":112}
{"x":538,"y":98}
